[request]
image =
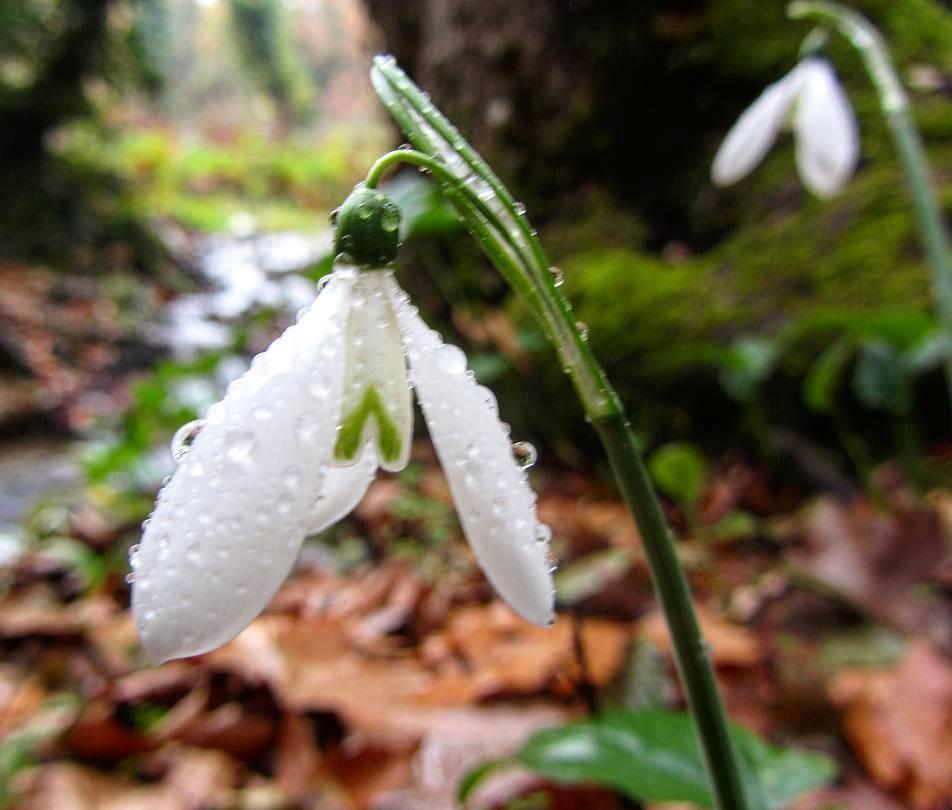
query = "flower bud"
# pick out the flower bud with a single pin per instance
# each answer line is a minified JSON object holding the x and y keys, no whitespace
{"x":368,"y":228}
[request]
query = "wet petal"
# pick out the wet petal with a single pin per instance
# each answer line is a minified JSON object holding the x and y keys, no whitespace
{"x":495,"y":503}
{"x":827,"y":137}
{"x":376,"y":408}
{"x":228,"y":526}
{"x":755,"y":131}
{"x":344,"y":488}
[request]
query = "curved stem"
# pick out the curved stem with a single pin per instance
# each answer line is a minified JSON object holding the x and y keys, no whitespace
{"x":472,"y":178}
{"x":895,"y":106}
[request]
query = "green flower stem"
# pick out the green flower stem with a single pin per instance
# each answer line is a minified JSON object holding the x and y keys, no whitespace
{"x":503,"y":231}
{"x":692,"y":652}
{"x":895,"y":106}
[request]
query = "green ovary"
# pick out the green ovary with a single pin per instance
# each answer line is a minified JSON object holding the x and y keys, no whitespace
{"x":352,"y":429}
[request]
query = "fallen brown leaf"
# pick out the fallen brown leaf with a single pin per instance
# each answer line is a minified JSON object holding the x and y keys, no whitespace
{"x":899,"y":722}
{"x":731,"y":644}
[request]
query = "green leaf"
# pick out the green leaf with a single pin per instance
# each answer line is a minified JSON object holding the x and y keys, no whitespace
{"x":652,"y":755}
{"x":747,"y":363}
{"x":819,"y":388}
{"x":477,"y":776}
{"x":878,"y":381}
{"x":927,"y":354}
{"x":679,"y":470}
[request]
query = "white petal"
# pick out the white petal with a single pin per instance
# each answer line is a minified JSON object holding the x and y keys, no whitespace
{"x":755,"y":131}
{"x":495,"y":503}
{"x":343,"y":489}
{"x":228,"y":526}
{"x":827,"y":138}
{"x":376,"y":407}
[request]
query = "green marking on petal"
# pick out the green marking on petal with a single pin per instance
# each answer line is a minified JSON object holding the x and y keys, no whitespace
{"x":352,"y":429}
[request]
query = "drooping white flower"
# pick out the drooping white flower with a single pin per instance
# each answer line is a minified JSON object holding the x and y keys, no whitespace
{"x":294,"y":445}
{"x":811,"y":100}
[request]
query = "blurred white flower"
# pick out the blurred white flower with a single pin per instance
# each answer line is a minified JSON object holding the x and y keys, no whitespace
{"x":811,"y":100}
{"x":293,"y":447}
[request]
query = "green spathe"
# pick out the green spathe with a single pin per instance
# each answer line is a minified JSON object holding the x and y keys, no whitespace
{"x":368,"y":228}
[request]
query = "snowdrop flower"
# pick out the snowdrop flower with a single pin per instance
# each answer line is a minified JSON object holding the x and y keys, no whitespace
{"x":297,"y":440}
{"x":827,"y":144}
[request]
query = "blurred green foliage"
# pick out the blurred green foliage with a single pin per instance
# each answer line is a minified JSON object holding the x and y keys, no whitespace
{"x":652,"y":755}
{"x":200,"y":185}
{"x":261,"y":33}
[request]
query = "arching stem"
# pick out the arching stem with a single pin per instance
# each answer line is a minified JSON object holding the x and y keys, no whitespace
{"x":894,"y":103}
{"x":503,"y":231}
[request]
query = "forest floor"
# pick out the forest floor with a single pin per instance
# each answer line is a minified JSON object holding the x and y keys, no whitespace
{"x":383,"y":670}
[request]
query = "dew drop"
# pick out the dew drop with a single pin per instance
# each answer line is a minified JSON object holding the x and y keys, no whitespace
{"x":543,"y":534}
{"x":240,"y":445}
{"x":131,"y":577}
{"x":333,"y":216}
{"x":558,"y":279}
{"x":317,"y":385}
{"x":364,"y":212}
{"x":306,"y":428}
{"x":390,"y":219}
{"x":184,"y":438}
{"x":520,"y":208}
{"x":291,"y":477}
{"x":134,"y":555}
{"x":582,"y":328}
{"x":489,"y":399}
{"x":322,"y":282}
{"x":451,"y":360}
{"x":525,"y":454}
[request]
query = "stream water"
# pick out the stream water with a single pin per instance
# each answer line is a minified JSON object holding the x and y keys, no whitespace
{"x":244,"y":270}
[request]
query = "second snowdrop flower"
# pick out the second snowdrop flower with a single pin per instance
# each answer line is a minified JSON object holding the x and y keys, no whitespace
{"x":297,"y":440}
{"x":809,"y":99}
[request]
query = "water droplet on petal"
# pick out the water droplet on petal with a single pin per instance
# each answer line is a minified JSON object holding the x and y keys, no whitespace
{"x":543,"y":533}
{"x":489,"y":399}
{"x":558,"y":279}
{"x":322,"y":282}
{"x":317,"y":385}
{"x":184,"y":438}
{"x":306,"y":427}
{"x":291,"y":477}
{"x":131,"y":577}
{"x":240,"y":445}
{"x":451,"y":360}
{"x":525,"y":454}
